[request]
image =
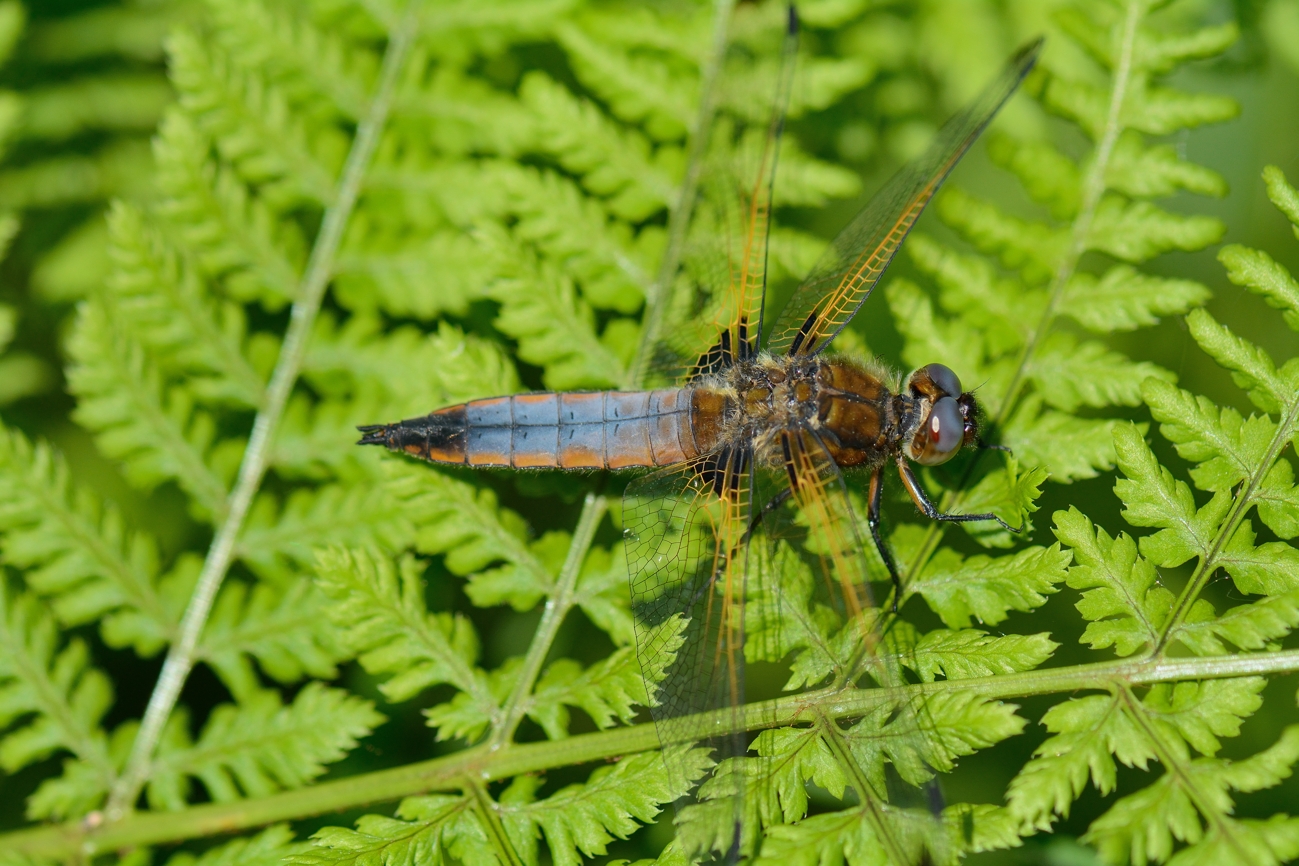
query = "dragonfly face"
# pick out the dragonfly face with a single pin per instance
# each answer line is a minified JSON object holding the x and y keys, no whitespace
{"x":748,"y":445}
{"x":946,"y":417}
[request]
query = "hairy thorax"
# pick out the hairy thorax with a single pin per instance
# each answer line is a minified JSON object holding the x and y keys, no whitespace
{"x":852,"y":410}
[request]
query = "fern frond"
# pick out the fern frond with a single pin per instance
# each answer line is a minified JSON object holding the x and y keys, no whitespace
{"x":316,"y":67}
{"x":52,"y":700}
{"x":232,"y":232}
{"x":155,"y":428}
{"x":1105,"y":206}
{"x":576,"y":821}
{"x":121,"y":102}
{"x":280,"y":539}
{"x":981,"y":588}
{"x":1232,"y":459}
{"x":285,"y":628}
{"x":464,"y":523}
{"x":253,"y":124}
{"x":607,"y":692}
{"x":431,"y":830}
{"x":167,"y":309}
{"x":555,"y":327}
{"x":271,"y":846}
{"x":640,"y":87}
{"x":380,"y":611}
{"x":614,"y":163}
{"x":581,"y":820}
{"x":74,"y":549}
{"x":259,"y":746}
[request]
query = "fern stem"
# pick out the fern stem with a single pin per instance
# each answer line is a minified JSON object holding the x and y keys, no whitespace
{"x":182,"y":653}
{"x":562,"y":598}
{"x":1174,"y":762}
{"x":492,"y":827}
{"x":679,"y":218}
{"x":1093,"y":189}
{"x":482,"y":764}
{"x":1245,"y":500}
{"x":833,"y":737}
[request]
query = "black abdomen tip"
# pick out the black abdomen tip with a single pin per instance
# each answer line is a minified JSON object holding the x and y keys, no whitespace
{"x":439,"y":437}
{"x":373,"y":434}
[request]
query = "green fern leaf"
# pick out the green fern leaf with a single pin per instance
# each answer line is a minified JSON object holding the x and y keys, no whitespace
{"x":581,"y":820}
{"x":74,"y":549}
{"x":1121,"y":598}
{"x":1124,"y":299}
{"x":381,"y":613}
{"x":609,"y":691}
{"x":259,"y":746}
{"x":153,"y":427}
{"x":980,"y":588}
{"x":464,"y":522}
{"x":168,"y":311}
{"x":271,"y":846}
{"x":612,"y":162}
{"x":432,"y":827}
{"x":1153,"y":497}
{"x":231,"y":232}
{"x":285,"y":628}
{"x":252,"y":124}
{"x":555,"y":328}
{"x":639,"y":88}
{"x":52,"y":700}
{"x":1171,"y":808}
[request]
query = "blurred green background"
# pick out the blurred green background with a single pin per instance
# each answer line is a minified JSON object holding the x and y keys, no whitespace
{"x":85,"y":84}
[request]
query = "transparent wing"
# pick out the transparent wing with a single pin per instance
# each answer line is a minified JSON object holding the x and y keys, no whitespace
{"x":842,"y":280}
{"x":742,"y":569}
{"x":714,"y":310}
{"x":685,"y":533}
{"x":887,"y":754}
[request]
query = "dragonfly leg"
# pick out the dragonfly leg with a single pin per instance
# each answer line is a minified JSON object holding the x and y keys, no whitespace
{"x":774,"y":503}
{"x":873,"y":521}
{"x":927,"y":508}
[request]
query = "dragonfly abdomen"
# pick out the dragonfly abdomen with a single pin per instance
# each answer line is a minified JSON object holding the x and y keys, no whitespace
{"x":569,"y":430}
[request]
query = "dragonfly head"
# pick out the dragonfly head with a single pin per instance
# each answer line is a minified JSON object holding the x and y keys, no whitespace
{"x":949,"y":418}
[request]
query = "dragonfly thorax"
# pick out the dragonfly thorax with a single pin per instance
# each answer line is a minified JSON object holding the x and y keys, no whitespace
{"x":748,"y":404}
{"x":855,"y":413}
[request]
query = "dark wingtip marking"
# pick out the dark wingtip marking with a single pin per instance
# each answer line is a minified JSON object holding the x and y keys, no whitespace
{"x":793,"y":20}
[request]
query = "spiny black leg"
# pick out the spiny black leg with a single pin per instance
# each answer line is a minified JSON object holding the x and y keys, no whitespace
{"x":873,"y":521}
{"x":774,"y":503}
{"x":921,"y":499}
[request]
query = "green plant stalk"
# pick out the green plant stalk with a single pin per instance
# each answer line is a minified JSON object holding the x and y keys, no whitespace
{"x":679,"y":218}
{"x":1245,"y":500}
{"x":1093,"y":189}
{"x":485,"y":806}
{"x":482,"y":763}
{"x":1175,"y":763}
{"x":181,"y":655}
{"x":557,"y":607}
{"x":832,"y":736}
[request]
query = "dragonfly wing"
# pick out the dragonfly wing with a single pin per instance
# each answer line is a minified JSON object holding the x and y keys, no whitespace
{"x":842,"y":280}
{"x":714,"y":313}
{"x":840,"y":637}
{"x":685,"y":530}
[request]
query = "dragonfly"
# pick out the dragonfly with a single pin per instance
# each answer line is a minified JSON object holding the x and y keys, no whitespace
{"x":747,"y":446}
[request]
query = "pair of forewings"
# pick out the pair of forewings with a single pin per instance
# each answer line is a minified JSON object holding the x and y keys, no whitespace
{"x":702,"y":539}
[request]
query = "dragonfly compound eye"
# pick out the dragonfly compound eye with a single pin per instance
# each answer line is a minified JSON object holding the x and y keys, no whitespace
{"x":943,"y":433}
{"x":945,"y":379}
